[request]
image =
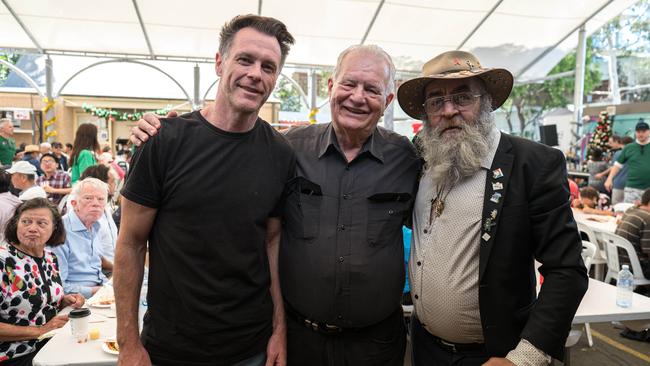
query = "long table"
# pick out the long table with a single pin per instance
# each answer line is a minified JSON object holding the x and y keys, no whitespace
{"x":598,"y":305}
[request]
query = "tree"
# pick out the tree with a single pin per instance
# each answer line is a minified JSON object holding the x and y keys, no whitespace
{"x":288,"y":95}
{"x":530,"y":101}
{"x":12,"y":58}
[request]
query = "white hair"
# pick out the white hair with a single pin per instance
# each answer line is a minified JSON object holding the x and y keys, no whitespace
{"x":46,"y":144}
{"x":5,"y":120}
{"x":373,"y":50}
{"x":88,"y":182}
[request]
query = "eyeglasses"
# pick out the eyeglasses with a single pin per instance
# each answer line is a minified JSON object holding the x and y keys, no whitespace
{"x":433,"y":106}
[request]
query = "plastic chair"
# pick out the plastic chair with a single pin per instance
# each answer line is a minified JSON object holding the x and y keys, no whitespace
{"x":589,"y":250}
{"x":613,"y":242}
{"x":600,"y":257}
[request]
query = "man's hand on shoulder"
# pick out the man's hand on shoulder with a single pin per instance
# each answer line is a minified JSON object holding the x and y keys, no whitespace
{"x":147,"y":126}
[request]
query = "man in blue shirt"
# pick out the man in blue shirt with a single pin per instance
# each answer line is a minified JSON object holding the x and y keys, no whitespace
{"x":80,"y":258}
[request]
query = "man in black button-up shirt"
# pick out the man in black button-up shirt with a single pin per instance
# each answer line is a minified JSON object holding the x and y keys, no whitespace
{"x":341,"y":257}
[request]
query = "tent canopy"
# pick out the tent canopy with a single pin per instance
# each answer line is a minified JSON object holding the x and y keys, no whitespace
{"x":527,"y":37}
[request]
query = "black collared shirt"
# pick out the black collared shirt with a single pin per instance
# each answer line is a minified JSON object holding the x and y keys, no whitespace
{"x":341,"y":258}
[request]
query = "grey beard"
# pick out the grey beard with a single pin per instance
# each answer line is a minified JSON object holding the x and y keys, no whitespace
{"x":450,"y":160}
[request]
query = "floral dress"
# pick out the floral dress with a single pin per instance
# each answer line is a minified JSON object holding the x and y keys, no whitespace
{"x":31,"y":292}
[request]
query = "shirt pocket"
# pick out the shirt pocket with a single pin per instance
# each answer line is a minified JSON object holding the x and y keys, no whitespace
{"x":386,"y":213}
{"x":302,"y":212}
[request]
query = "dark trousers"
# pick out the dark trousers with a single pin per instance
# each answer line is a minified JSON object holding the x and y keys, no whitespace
{"x":381,"y":344}
{"x":428,"y":352}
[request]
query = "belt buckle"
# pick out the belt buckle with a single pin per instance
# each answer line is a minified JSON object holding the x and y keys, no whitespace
{"x":450,"y":345}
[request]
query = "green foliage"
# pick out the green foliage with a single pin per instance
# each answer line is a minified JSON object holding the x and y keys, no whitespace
{"x":530,"y":101}
{"x":12,"y":58}
{"x":288,"y":95}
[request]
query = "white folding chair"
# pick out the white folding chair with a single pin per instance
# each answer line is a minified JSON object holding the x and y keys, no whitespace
{"x":589,"y":250}
{"x":600,"y":257}
{"x":613,"y":242}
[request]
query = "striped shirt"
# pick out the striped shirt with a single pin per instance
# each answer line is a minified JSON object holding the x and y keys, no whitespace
{"x":635,"y":227}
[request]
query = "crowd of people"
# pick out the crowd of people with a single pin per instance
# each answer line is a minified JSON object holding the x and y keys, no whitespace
{"x":271,"y":249}
{"x":58,"y":234}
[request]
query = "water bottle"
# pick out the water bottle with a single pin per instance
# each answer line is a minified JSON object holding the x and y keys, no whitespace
{"x":624,"y":287}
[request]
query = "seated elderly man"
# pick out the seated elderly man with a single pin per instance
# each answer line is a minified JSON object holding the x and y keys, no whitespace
{"x":23,"y":177}
{"x":80,"y":257}
{"x":635,"y":227}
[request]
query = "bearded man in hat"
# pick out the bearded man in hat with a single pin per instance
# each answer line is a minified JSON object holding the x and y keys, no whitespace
{"x":489,"y":205}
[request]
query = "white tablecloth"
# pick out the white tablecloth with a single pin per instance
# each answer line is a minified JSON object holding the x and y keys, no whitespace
{"x":596,"y":222}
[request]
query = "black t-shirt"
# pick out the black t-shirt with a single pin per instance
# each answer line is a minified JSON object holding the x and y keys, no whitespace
{"x":208,"y":294}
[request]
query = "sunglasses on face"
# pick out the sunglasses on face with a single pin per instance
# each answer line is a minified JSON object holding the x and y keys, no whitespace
{"x":461,"y":101}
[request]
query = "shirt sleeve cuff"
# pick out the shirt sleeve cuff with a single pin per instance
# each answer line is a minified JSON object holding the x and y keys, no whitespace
{"x":617,"y":164}
{"x":528,"y":355}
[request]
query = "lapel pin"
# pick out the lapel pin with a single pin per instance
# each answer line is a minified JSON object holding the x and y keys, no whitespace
{"x":497,"y":173}
{"x":497,"y":186}
{"x":488,"y":224}
{"x":495,"y":197}
{"x":493,"y":214}
{"x":486,"y":236}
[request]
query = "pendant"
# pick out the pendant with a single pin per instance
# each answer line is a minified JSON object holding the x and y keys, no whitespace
{"x":440,"y":206}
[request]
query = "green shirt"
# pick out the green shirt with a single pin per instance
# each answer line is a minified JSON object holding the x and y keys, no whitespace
{"x":637,"y":157}
{"x":7,"y":150}
{"x":85,"y":159}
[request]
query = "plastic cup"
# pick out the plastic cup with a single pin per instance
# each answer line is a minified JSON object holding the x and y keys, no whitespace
{"x":79,"y":324}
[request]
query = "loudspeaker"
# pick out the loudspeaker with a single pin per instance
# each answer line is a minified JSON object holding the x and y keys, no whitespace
{"x":548,"y":135}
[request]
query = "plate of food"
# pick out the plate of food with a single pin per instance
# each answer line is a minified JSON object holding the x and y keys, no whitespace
{"x":110,"y":346}
{"x":103,"y":304}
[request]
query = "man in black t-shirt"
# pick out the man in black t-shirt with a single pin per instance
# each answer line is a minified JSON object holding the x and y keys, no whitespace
{"x":206,"y":193}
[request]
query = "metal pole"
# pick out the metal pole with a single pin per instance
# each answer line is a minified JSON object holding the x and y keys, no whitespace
{"x":389,"y":113}
{"x":196,"y":103}
{"x":578,"y":95}
{"x":50,"y":116}
{"x":313,"y":92}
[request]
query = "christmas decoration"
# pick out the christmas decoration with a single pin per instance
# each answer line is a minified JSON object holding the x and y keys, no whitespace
{"x":50,"y":119}
{"x":120,"y":116}
{"x":601,"y":135}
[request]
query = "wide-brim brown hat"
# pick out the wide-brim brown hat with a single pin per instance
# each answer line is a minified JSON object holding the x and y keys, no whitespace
{"x":453,"y":65}
{"x":32,"y":148}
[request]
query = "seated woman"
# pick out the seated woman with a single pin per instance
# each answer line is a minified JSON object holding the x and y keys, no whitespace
{"x":592,"y":202}
{"x":31,"y":293}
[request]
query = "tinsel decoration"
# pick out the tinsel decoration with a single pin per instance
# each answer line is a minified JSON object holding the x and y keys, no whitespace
{"x":120,"y":116}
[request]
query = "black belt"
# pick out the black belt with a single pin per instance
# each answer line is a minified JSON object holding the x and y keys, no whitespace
{"x":458,"y":347}
{"x":314,"y":325}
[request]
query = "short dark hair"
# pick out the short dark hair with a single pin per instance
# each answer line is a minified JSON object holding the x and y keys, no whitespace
{"x":5,"y":181}
{"x":68,"y":145}
{"x":645,"y":197}
{"x":57,"y":145}
{"x":589,"y":192}
{"x":627,"y":140}
{"x":266,"y":25}
{"x":99,"y":171}
{"x":50,"y":155}
{"x":58,"y":233}
{"x":616,"y":138}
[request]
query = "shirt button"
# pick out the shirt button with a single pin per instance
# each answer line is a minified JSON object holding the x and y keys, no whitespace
{"x":391,"y":212}
{"x":339,"y":317}
{"x":425,"y":231}
{"x":341,"y":259}
{"x":416,"y":297}
{"x":346,"y":196}
{"x":419,"y":263}
{"x":342,"y":227}
{"x":347,"y":168}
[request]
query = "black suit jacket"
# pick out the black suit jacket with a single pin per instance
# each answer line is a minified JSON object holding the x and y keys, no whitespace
{"x":531,"y":219}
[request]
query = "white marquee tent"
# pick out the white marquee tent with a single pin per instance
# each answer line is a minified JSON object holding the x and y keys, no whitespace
{"x":527,"y":37}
